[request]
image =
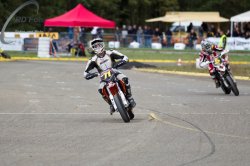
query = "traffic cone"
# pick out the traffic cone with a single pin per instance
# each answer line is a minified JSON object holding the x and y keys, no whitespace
{"x":179,"y":62}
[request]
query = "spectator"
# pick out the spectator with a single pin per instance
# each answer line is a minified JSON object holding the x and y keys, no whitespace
{"x":76,"y":34}
{"x":147,"y":36}
{"x":190,"y":27}
{"x":83,"y":37}
{"x":117,"y":34}
{"x":124,"y":35}
{"x":204,"y":27}
{"x":94,"y":32}
{"x":71,"y":32}
{"x":157,"y":35}
{"x":228,"y":34}
{"x":237,"y":32}
{"x":192,"y":38}
{"x":169,"y":37}
{"x":201,"y":31}
{"x":130,"y":33}
{"x":133,"y":33}
{"x":223,"y":40}
{"x":247,"y":36}
{"x":218,"y":33}
{"x":99,"y":33}
{"x":139,"y":34}
{"x":212,"y":29}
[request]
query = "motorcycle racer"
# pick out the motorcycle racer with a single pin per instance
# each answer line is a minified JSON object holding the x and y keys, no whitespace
{"x":207,"y":56}
{"x":102,"y":60}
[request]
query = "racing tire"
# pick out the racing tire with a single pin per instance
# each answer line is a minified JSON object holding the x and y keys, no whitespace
{"x":121,"y":108}
{"x":233,"y":85}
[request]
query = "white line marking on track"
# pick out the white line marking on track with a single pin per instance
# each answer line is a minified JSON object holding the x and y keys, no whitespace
{"x":60,"y":82}
{"x":28,"y":85}
{"x":76,"y":97}
{"x":159,"y":95}
{"x":31,"y":93}
{"x":34,"y":101}
{"x":63,"y":113}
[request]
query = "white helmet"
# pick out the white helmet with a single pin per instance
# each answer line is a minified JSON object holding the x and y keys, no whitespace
{"x":206,"y":46}
{"x":97,"y":45}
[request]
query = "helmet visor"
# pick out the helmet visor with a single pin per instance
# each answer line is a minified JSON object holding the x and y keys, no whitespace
{"x":98,"y":47}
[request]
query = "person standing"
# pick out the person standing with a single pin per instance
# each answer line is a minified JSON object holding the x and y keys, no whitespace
{"x":223,"y":40}
{"x":169,"y":37}
{"x":192,"y":38}
{"x":124,"y":36}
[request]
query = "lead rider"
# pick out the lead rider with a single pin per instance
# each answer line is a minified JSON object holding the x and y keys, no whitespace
{"x":103,"y":60}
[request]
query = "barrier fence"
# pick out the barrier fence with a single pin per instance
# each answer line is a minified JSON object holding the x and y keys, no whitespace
{"x":47,"y":44}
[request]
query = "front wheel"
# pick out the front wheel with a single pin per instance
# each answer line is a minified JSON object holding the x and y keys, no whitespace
{"x":121,"y":108}
{"x":233,"y":85}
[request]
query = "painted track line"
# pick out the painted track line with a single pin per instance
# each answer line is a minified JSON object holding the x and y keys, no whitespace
{"x":186,"y":73}
{"x":154,"y":116}
{"x":63,"y":113}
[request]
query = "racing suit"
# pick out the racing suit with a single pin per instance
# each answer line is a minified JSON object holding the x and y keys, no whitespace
{"x":207,"y":58}
{"x":104,"y":63}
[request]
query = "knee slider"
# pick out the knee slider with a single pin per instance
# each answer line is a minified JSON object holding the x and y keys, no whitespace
{"x":125,"y":80}
{"x":100,"y":91}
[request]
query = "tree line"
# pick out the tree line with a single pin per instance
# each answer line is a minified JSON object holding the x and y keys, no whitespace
{"x":123,"y":12}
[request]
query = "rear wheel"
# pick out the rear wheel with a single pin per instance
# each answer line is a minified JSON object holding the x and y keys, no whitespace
{"x":233,"y":85}
{"x":121,"y":108}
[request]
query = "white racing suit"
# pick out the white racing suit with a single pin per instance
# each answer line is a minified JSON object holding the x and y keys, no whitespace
{"x":104,"y":63}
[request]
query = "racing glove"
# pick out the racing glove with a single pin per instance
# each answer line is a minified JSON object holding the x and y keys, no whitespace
{"x":118,"y":64}
{"x":91,"y":75}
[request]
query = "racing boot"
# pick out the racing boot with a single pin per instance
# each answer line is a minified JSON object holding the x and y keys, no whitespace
{"x":217,"y":84}
{"x":131,"y":101}
{"x":112,"y":110}
{"x":129,"y":93}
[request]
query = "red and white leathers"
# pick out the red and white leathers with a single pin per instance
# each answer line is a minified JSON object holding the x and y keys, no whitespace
{"x":207,"y":58}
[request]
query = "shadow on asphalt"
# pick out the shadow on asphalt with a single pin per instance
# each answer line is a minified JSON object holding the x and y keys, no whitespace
{"x":131,"y":65}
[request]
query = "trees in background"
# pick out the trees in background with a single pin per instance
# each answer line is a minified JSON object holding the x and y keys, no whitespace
{"x":121,"y":11}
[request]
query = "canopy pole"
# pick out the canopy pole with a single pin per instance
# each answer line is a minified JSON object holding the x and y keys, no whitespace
{"x":231,"y":31}
{"x":180,"y":30}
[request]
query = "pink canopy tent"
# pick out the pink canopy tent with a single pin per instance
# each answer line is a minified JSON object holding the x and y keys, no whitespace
{"x":79,"y":16}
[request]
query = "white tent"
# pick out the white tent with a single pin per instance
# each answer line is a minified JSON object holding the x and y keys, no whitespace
{"x":190,"y":16}
{"x":243,"y":17}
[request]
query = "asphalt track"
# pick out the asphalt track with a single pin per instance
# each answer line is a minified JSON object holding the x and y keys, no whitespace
{"x":50,"y":115}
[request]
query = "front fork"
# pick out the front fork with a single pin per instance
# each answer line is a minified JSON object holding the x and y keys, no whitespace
{"x":111,"y":97}
{"x":222,"y":79}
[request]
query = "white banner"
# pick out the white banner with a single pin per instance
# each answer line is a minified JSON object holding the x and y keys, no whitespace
{"x":16,"y":44}
{"x":233,"y":43}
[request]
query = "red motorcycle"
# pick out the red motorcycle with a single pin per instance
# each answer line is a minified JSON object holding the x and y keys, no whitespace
{"x":224,"y":75}
{"x":115,"y":90}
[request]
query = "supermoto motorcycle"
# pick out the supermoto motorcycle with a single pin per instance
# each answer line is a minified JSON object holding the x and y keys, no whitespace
{"x":224,"y":75}
{"x":115,"y":90}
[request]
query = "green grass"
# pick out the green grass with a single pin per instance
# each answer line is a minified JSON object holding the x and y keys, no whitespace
{"x":239,"y":70}
{"x":174,"y":55}
{"x":149,"y":54}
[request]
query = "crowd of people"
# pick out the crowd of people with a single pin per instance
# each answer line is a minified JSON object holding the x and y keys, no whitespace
{"x":146,"y":35}
{"x":143,"y":35}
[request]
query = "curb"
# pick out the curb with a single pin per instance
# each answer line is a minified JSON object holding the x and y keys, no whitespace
{"x":185,"y":73}
{"x":43,"y":59}
{"x":131,"y":60}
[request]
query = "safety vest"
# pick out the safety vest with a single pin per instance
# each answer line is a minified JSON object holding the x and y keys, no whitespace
{"x":221,"y":43}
